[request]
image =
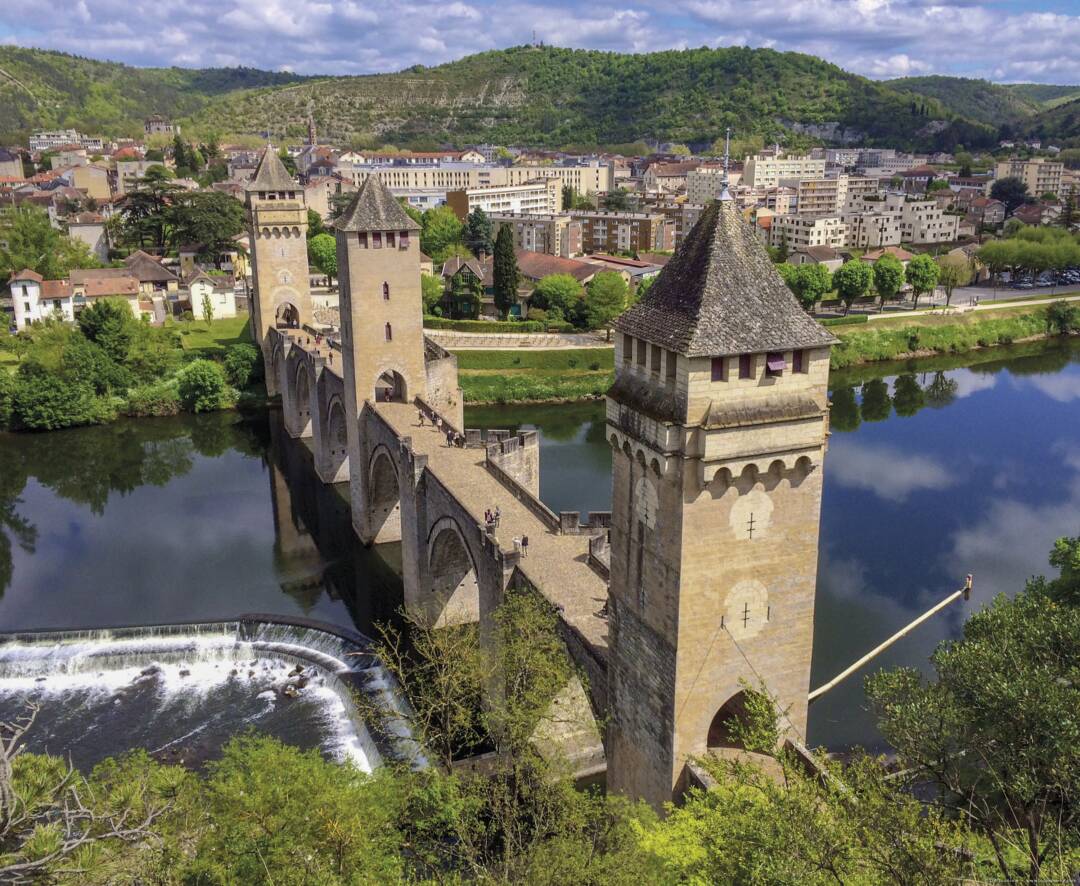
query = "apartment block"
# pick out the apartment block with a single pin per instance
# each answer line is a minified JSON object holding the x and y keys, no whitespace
{"x":1041,"y":176}
{"x":609,"y":231}
{"x":554,"y":234}
{"x":922,"y":220}
{"x":542,"y":197}
{"x":683,"y":215}
{"x":830,"y":196}
{"x":767,"y":170}
{"x":704,"y":184}
{"x":873,"y":230}
{"x":803,"y":232}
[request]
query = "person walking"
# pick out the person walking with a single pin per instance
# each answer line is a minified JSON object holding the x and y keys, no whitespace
{"x":524,"y":546}
{"x":420,"y":415}
{"x":496,"y":515}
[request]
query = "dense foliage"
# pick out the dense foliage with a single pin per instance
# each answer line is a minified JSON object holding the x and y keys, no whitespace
{"x":29,"y":240}
{"x":109,"y":363}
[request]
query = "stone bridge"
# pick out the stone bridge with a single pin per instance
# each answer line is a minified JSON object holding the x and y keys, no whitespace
{"x":407,"y":485}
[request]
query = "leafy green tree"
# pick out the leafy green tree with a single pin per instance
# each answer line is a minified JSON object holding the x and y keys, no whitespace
{"x":441,"y":230}
{"x":556,"y":292}
{"x":202,"y":386}
{"x":888,"y":277}
{"x":109,"y":323}
{"x":1062,"y":317}
{"x":145,"y":220}
{"x":605,"y":299}
{"x":432,"y":291}
{"x":1011,"y":191}
{"x":814,"y":283}
{"x":617,"y":200}
{"x":207,"y":309}
{"x":411,"y":211}
{"x":852,"y":281}
{"x":287,"y":161}
{"x":28,"y":240}
{"x":478,"y":236}
{"x":922,"y":275}
{"x":322,"y":250}
{"x":45,"y":401}
{"x":505,"y":271}
{"x":953,"y":271}
{"x":994,"y":735}
{"x":243,"y":365}
{"x":210,"y":219}
{"x":315,"y":224}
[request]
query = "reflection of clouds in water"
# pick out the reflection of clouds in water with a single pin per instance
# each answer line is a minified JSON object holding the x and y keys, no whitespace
{"x":887,"y":472}
{"x":1064,"y":387}
{"x":968,"y":382}
{"x":1010,"y":541}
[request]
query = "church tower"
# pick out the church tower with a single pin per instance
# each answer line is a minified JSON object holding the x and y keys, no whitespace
{"x":277,"y":217}
{"x":718,"y":418}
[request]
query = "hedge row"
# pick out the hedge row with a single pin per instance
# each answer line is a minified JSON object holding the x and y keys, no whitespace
{"x":851,"y":319}
{"x":511,"y":326}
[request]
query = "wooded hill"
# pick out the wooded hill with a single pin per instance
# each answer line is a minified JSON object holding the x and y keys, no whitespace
{"x":525,"y":95}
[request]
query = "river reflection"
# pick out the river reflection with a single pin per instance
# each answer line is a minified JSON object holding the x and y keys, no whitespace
{"x":934,"y":470}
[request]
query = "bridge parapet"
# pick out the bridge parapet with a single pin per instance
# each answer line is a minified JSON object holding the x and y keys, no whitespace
{"x":597,"y":522}
{"x":600,"y":555}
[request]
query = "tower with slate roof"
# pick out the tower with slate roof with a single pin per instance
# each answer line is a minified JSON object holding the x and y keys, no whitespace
{"x":277,"y":216}
{"x":718,"y":420}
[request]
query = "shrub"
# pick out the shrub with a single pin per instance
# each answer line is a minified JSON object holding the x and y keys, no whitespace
{"x":187,"y":316}
{"x":202,"y":386}
{"x":845,"y":321}
{"x":7,"y":396}
{"x":109,"y":323}
{"x":152,"y":400}
{"x":484,"y":325}
{"x":243,"y":365}
{"x":1062,"y":318}
{"x":43,"y":401}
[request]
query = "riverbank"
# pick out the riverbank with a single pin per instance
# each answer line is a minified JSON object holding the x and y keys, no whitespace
{"x":494,"y":377}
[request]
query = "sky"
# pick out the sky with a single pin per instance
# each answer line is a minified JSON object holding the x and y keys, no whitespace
{"x":1002,"y":40}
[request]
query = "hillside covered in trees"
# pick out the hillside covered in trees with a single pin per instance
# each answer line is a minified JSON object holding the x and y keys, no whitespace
{"x":531,"y":95}
{"x":41,"y":89}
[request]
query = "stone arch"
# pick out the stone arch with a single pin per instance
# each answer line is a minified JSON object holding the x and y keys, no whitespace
{"x":336,"y":442}
{"x":300,"y":400}
{"x":286,"y":315}
{"x":722,"y":729}
{"x":454,"y":587}
{"x":390,"y":387}
{"x":384,"y":497}
{"x":803,"y":466}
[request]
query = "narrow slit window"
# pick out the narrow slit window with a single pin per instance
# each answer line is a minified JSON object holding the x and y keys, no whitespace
{"x":389,"y":239}
{"x":672,"y":366}
{"x":362,"y":239}
{"x":376,"y":240}
{"x":627,"y":348}
{"x":719,"y":369}
{"x":746,"y":365}
{"x":798,"y":361}
{"x":389,"y":333}
{"x":386,"y":291}
{"x":654,"y":359}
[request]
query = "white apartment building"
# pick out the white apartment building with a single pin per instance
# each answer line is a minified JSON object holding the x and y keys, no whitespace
{"x":540,"y":197}
{"x":34,"y":298}
{"x":586,"y":179}
{"x":46,"y":140}
{"x":555,"y":234}
{"x":802,"y":232}
{"x":922,"y":220}
{"x":830,"y":196}
{"x":873,"y":230}
{"x":767,"y":170}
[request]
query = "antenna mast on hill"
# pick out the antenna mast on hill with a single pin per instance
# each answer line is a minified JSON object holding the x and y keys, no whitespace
{"x":725,"y":194}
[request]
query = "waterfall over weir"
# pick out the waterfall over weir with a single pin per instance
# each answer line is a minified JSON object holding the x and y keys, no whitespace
{"x":182,"y":691}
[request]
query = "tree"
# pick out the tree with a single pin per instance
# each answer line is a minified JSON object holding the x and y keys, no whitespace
{"x":1062,"y":317}
{"x":287,"y":161}
{"x":852,"y":280}
{"x":52,"y":818}
{"x":210,"y":219}
{"x":109,"y":323}
{"x":964,"y":159}
{"x":243,"y":365}
{"x":555,"y":293}
{"x":322,"y":251}
{"x":202,"y":386}
{"x":876,"y":404}
{"x":922,"y":275}
{"x":680,"y":150}
{"x":814,"y":282}
{"x":432,"y":291}
{"x":441,"y":230}
{"x":478,"y":237}
{"x":1011,"y":191}
{"x":953,"y":271}
{"x":908,"y":397}
{"x":993,"y":736}
{"x":315,"y":224}
{"x":888,"y":277}
{"x":207,"y":308}
{"x":45,"y":401}
{"x":505,"y":271}
{"x":28,"y":240}
{"x":605,"y":299}
{"x":782,"y":251}
{"x":617,"y":200}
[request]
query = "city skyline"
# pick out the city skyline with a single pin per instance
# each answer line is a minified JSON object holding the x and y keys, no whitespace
{"x":999,"y":40}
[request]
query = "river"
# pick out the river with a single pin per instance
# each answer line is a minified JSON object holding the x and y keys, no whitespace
{"x":934,"y":470}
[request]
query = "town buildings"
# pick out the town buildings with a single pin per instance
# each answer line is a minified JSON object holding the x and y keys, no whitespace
{"x":552,"y":234}
{"x":766,"y":170}
{"x":1041,"y":176}
{"x":537,"y":196}
{"x":610,"y":231}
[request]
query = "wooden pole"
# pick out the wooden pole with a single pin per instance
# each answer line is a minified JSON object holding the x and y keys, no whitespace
{"x":964,"y":592}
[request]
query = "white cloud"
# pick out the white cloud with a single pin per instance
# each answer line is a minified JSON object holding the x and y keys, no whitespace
{"x":887,"y":472}
{"x":879,"y":38}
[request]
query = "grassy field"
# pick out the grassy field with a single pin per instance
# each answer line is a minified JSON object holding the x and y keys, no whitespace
{"x":524,"y":376}
{"x":199,"y":337}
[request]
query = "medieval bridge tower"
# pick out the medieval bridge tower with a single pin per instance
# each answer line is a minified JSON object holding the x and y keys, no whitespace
{"x":718,"y":420}
{"x":278,"y":221}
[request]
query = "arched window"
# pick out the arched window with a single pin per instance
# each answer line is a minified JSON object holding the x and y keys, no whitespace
{"x":386,"y":291}
{"x":389,"y":333}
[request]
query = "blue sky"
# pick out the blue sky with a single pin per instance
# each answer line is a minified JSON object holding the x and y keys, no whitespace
{"x":1004,"y":40}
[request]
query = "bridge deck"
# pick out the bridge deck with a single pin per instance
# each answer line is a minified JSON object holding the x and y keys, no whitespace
{"x":557,"y":565}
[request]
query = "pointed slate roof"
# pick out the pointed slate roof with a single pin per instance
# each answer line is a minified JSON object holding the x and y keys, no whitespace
{"x":271,"y":175}
{"x":721,"y":294}
{"x":375,"y":208}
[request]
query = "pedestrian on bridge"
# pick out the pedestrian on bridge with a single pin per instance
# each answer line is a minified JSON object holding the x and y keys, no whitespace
{"x":420,"y":415}
{"x":496,"y":514}
{"x":524,"y":546}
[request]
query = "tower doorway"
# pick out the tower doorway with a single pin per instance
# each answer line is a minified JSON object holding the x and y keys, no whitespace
{"x":287,"y":317}
{"x":724,"y":729}
{"x":390,"y":388}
